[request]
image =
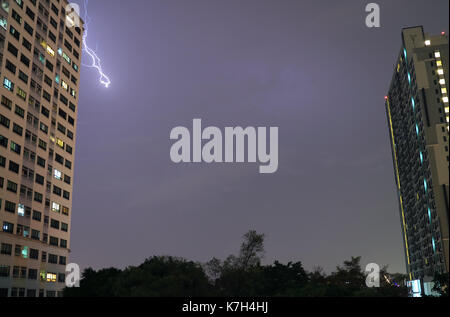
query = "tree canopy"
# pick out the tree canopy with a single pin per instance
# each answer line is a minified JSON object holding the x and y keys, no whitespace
{"x":237,"y":275}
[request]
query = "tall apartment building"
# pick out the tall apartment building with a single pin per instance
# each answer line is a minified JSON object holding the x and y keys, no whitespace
{"x":40,"y":52}
{"x":417,"y":109}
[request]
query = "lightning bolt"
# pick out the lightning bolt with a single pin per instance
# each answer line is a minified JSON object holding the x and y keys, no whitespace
{"x":96,"y":61}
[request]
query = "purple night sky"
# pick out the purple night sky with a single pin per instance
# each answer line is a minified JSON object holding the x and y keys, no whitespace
{"x":312,"y":68}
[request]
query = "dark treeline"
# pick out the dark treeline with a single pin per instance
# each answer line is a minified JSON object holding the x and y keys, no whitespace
{"x":238,"y":275}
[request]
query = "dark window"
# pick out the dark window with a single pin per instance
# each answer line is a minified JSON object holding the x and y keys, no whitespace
{"x":30,"y":13}
{"x":12,"y":49}
{"x":29,"y":29}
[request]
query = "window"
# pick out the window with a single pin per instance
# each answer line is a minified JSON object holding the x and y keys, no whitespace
{"x":22,"y":94}
{"x":30,"y":13}
{"x":15,"y":148}
{"x":54,"y":224}
{"x":54,"y":241}
{"x":43,"y":127}
{"x":8,"y":84}
{"x":67,"y":179}
{"x":14,"y":167}
{"x":10,"y":66}
{"x":45,"y":111}
{"x":23,"y":77}
{"x":37,"y":215}
{"x":6,"y":249}
{"x":15,"y":15}
{"x":39,"y":179}
{"x":41,"y":161}
{"x":59,"y":159}
{"x":3,"y":141}
{"x":65,"y":211}
{"x":11,"y":186}
{"x":12,"y":49}
{"x":35,"y":234}
{"x":32,"y":275}
{"x":29,"y":29}
{"x":66,"y":194}
{"x":46,"y":96}
{"x":64,"y":227}
{"x":8,"y":227}
{"x":51,"y":278}
{"x":56,"y":207}
{"x":60,"y":143}
{"x":25,"y":60}
{"x":14,"y":32}
{"x":10,"y":207}
{"x":21,"y":210}
{"x":43,"y":144}
{"x":57,"y":190}
{"x":7,"y":103}
{"x":49,"y":65}
{"x":38,"y":197}
{"x":4,"y":121}
{"x":4,"y":270}
{"x":19,"y":111}
{"x":57,"y":174}
{"x":62,"y":259}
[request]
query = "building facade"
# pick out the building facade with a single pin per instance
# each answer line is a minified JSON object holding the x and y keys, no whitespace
{"x":417,"y":109}
{"x":40,"y":55}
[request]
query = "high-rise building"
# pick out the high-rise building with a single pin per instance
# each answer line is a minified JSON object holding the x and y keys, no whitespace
{"x":40,"y":55}
{"x":417,"y":109}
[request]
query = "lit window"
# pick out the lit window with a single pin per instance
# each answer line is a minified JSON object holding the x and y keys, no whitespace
{"x":437,"y":54}
{"x":427,"y":42}
{"x":444,"y":90}
{"x":21,"y":210}
{"x":438,"y":63}
{"x":60,"y":143}
{"x":25,"y":252}
{"x":413,"y":102}
{"x":58,"y":175}
{"x":51,"y":277}
{"x":445,"y":99}
{"x":22,"y":94}
{"x":56,"y":207}
{"x":67,"y":58}
{"x":446,"y":109}
{"x":446,"y":119}
{"x":8,"y":84}
{"x":50,"y":51}
{"x":440,"y":71}
{"x":64,"y":85}
{"x":3,"y":22}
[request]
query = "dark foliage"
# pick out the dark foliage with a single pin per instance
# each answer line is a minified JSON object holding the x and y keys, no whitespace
{"x":241,"y":275}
